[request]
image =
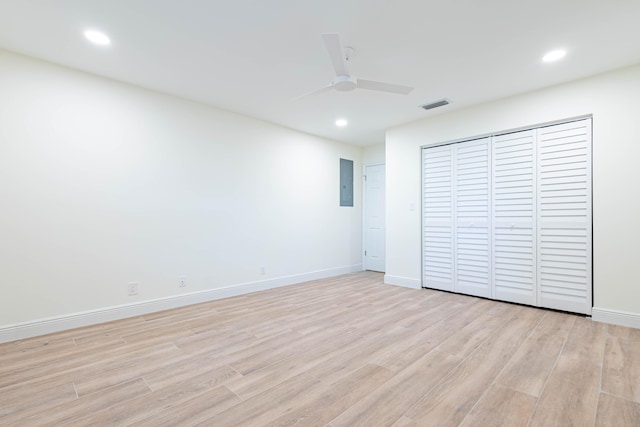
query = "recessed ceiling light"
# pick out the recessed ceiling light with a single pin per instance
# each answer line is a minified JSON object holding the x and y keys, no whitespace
{"x":341,"y":123}
{"x":554,"y":55}
{"x":97,"y":37}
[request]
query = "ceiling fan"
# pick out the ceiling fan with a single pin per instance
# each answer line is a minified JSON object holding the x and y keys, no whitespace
{"x":344,"y":81}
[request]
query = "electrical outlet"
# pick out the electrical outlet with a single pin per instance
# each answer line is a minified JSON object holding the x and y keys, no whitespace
{"x":182,"y":282}
{"x":262,"y":270}
{"x":132,"y":288}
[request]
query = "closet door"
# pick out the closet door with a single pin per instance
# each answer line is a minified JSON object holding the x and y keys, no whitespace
{"x":437,"y":218}
{"x":513,"y":218}
{"x":472,"y":214}
{"x":564,"y":216}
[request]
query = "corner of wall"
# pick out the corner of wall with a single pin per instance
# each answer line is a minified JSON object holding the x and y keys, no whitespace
{"x":405,"y":282}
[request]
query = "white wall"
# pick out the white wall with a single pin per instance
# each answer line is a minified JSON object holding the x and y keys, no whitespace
{"x":614,"y":101}
{"x":373,"y":154}
{"x":104,"y":183}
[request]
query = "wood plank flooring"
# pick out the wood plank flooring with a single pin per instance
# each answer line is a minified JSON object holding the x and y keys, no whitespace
{"x":345,"y":351}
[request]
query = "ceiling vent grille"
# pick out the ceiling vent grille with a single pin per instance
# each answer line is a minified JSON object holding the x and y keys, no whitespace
{"x":435,"y":104}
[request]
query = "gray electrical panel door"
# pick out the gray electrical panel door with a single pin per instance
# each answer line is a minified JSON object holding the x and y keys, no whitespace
{"x":346,"y":182}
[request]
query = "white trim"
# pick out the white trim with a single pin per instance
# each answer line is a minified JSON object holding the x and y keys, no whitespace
{"x":405,"y":282}
{"x":616,"y":317}
{"x":75,"y":320}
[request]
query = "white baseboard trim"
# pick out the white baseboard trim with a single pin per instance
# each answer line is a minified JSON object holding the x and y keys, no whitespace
{"x":75,"y":320}
{"x":616,"y":317}
{"x":405,"y":282}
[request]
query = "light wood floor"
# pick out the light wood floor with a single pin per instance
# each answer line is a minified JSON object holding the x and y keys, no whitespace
{"x":346,"y":351}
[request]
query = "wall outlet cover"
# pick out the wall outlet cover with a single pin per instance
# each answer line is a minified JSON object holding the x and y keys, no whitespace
{"x":132,"y":288}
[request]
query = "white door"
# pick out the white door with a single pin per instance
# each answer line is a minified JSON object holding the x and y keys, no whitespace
{"x":564,"y":216}
{"x":472,"y":198}
{"x":374,"y":218}
{"x":438,"y":263}
{"x":514,"y":207}
{"x":509,"y":217}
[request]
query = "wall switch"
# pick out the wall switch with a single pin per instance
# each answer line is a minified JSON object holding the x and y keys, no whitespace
{"x":132,"y":288}
{"x":182,"y":282}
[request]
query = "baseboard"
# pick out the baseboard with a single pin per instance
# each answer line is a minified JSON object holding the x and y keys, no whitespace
{"x":75,"y":320}
{"x":405,"y":282}
{"x":616,"y":317}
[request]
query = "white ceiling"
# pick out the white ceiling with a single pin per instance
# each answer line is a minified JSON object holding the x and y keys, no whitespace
{"x":256,"y":57}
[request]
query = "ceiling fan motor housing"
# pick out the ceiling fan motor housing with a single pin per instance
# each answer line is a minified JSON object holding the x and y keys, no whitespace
{"x":345,"y":83}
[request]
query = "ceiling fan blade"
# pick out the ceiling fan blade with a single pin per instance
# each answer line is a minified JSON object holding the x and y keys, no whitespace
{"x":383,"y":87}
{"x":315,"y":92}
{"x":336,"y":53}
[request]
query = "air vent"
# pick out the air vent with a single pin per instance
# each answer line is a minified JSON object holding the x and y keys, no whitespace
{"x":436,"y":104}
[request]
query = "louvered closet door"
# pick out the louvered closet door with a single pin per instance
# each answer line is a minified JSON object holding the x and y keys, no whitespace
{"x":472,"y":217}
{"x":513,"y":222}
{"x":564,"y":216}
{"x":437,"y":220}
